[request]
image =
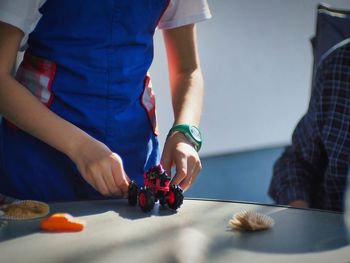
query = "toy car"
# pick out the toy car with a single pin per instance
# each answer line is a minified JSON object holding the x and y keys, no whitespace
{"x":156,"y":188}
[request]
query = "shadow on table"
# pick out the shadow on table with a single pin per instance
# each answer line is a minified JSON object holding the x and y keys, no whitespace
{"x":120,"y":207}
{"x":14,"y":229}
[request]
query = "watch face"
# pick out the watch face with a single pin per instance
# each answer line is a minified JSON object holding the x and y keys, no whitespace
{"x":195,"y":133}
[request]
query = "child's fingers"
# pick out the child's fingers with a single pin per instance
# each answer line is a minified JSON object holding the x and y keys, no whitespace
{"x":166,"y":161}
{"x":191,"y":177}
{"x":121,"y":179}
{"x":101,"y":185}
{"x":110,"y":184}
{"x":181,"y":170}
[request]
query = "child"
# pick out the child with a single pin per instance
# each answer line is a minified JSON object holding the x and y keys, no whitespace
{"x":79,"y":118}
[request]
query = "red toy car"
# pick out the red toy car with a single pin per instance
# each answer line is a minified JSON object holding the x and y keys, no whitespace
{"x":156,"y":188}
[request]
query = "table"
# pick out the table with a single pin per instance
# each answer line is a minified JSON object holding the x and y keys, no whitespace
{"x":197,"y":232}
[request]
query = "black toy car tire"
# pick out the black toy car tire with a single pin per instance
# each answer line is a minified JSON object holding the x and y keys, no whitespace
{"x":175,"y":197}
{"x":133,"y":192}
{"x":162,"y":197}
{"x":146,"y":199}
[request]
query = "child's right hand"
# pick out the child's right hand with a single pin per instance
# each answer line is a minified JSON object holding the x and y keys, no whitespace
{"x":299,"y":204}
{"x":101,"y":168}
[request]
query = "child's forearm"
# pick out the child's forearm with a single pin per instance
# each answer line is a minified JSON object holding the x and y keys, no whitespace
{"x":187,"y":96}
{"x":186,"y":79}
{"x":19,"y":106}
{"x":97,"y":164}
{"x":100,"y":167}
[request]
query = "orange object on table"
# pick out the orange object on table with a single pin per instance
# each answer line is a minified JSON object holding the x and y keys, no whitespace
{"x":62,"y":222}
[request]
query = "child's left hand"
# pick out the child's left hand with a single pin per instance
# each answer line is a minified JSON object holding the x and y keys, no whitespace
{"x":178,"y":151}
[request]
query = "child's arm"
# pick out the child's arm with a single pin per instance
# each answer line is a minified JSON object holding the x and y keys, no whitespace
{"x":187,"y":97}
{"x":99,"y":166}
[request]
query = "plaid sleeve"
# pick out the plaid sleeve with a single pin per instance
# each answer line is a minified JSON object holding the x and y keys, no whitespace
{"x":334,"y":123}
{"x":297,"y":172}
{"x":314,"y":168}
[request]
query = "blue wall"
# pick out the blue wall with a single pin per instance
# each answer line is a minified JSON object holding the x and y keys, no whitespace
{"x":241,"y":176}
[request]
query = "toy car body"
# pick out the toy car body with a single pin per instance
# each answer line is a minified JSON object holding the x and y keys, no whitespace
{"x":156,"y":188}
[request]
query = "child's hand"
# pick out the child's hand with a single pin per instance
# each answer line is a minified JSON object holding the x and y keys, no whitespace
{"x":299,"y":204}
{"x":179,"y":152}
{"x":102,"y":168}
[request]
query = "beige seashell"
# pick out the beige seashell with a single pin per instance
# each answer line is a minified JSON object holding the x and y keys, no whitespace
{"x":250,"y":220}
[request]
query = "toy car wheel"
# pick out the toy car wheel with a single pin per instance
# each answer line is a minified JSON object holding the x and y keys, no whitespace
{"x":163,"y":201}
{"x":162,"y":197}
{"x":133,"y":191}
{"x":146,"y":199}
{"x":175,"y":197}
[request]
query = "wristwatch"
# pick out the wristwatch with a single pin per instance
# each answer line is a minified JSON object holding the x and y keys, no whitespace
{"x":191,"y":132}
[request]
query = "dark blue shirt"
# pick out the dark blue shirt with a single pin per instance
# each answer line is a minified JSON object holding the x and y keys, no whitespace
{"x":314,"y":167}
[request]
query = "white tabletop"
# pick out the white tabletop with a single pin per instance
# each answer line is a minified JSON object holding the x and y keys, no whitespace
{"x":197,"y":232}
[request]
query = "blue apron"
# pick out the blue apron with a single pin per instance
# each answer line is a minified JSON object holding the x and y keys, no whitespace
{"x":87,"y":61}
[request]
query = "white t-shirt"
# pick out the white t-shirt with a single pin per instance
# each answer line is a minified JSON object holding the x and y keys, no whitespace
{"x":24,"y":14}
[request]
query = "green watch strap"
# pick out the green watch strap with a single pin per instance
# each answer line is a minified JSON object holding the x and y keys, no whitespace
{"x":191,"y":132}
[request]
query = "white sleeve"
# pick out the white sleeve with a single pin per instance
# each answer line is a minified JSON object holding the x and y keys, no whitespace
{"x":23,"y":14}
{"x":184,"y":12}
